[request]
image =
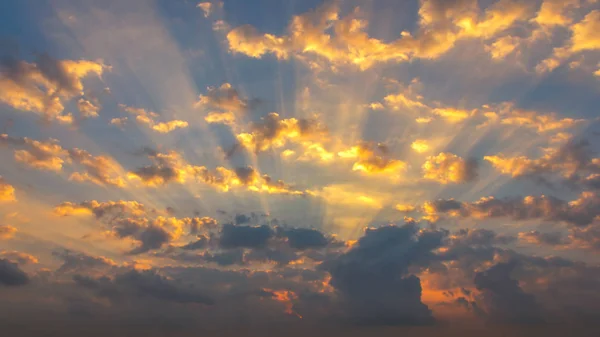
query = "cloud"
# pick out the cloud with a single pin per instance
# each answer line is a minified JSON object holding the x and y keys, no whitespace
{"x":206,"y":7}
{"x":148,"y":283}
{"x":51,"y":156}
{"x":234,"y":236}
{"x":100,"y":170}
{"x":214,"y":117}
{"x":542,"y":123}
{"x":274,"y":132}
{"x":19,"y":257}
{"x":449,"y":168}
{"x":583,"y":38}
{"x":87,"y":109}
{"x":503,"y":299}
{"x":47,"y":155}
{"x":150,"y":229}
{"x":7,"y":191}
{"x":77,"y":261}
{"x":373,"y":277}
{"x":45,"y":85}
{"x":304,"y":238}
{"x":227,"y":100}
{"x":579,"y":212}
{"x":372,"y":158}
{"x":341,"y":41}
{"x":149,"y":118}
{"x":573,"y":161}
{"x":543,"y":238}
{"x":171,"y":167}
{"x":420,"y":146}
{"x":7,"y":231}
{"x":119,"y":122}
{"x":11,"y":275}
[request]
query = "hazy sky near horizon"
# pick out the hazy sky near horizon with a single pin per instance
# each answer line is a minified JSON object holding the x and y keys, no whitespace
{"x":238,"y":164}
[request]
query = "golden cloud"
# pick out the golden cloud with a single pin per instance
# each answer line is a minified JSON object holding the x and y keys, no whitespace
{"x":373,"y":158}
{"x":7,"y":191}
{"x":449,"y":168}
{"x":51,"y":156}
{"x":43,"y":86}
{"x":171,"y":167}
{"x":149,"y":118}
{"x":273,"y":132}
{"x":441,"y":25}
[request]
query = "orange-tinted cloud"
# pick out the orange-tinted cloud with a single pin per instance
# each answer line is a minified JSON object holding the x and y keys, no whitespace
{"x":45,"y":85}
{"x":149,"y":118}
{"x":373,"y":158}
{"x":449,"y":168}
{"x":7,"y":191}
{"x":345,"y":41}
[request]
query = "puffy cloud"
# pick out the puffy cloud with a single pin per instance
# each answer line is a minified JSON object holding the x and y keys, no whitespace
{"x":503,"y":299}
{"x":235,"y":236}
{"x":100,"y":170}
{"x":579,"y":212}
{"x":452,"y":115}
{"x":543,"y":238}
{"x":304,"y":238}
{"x":372,"y":158}
{"x":274,"y":132}
{"x":503,"y":47}
{"x":480,"y":237}
{"x":214,"y":117}
{"x":206,"y":7}
{"x":47,"y":155}
{"x":373,"y":278}
{"x":19,"y":257}
{"x":345,"y":41}
{"x":77,"y":261}
{"x":44,"y":86}
{"x":585,"y":238}
{"x":87,"y":109}
{"x":7,"y":231}
{"x":11,"y":275}
{"x":420,"y":146}
{"x":7,"y":191}
{"x":508,"y":115}
{"x":129,"y":219}
{"x":583,"y":38}
{"x":573,"y":161}
{"x":50,"y":155}
{"x":171,"y":167}
{"x":149,"y":118}
{"x":585,"y":35}
{"x":449,"y":168}
{"x":119,"y":122}
{"x":552,"y":12}
{"x":227,"y":101}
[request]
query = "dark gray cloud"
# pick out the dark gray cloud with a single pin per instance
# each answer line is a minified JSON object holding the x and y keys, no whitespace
{"x":151,"y":238}
{"x":143,"y":284}
{"x":304,"y":238}
{"x":77,"y":261}
{"x":233,"y":236}
{"x":11,"y":274}
{"x":503,"y":299}
{"x":373,"y":276}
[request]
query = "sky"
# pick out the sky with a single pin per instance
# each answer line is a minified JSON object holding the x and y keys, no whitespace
{"x":323,"y":167}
